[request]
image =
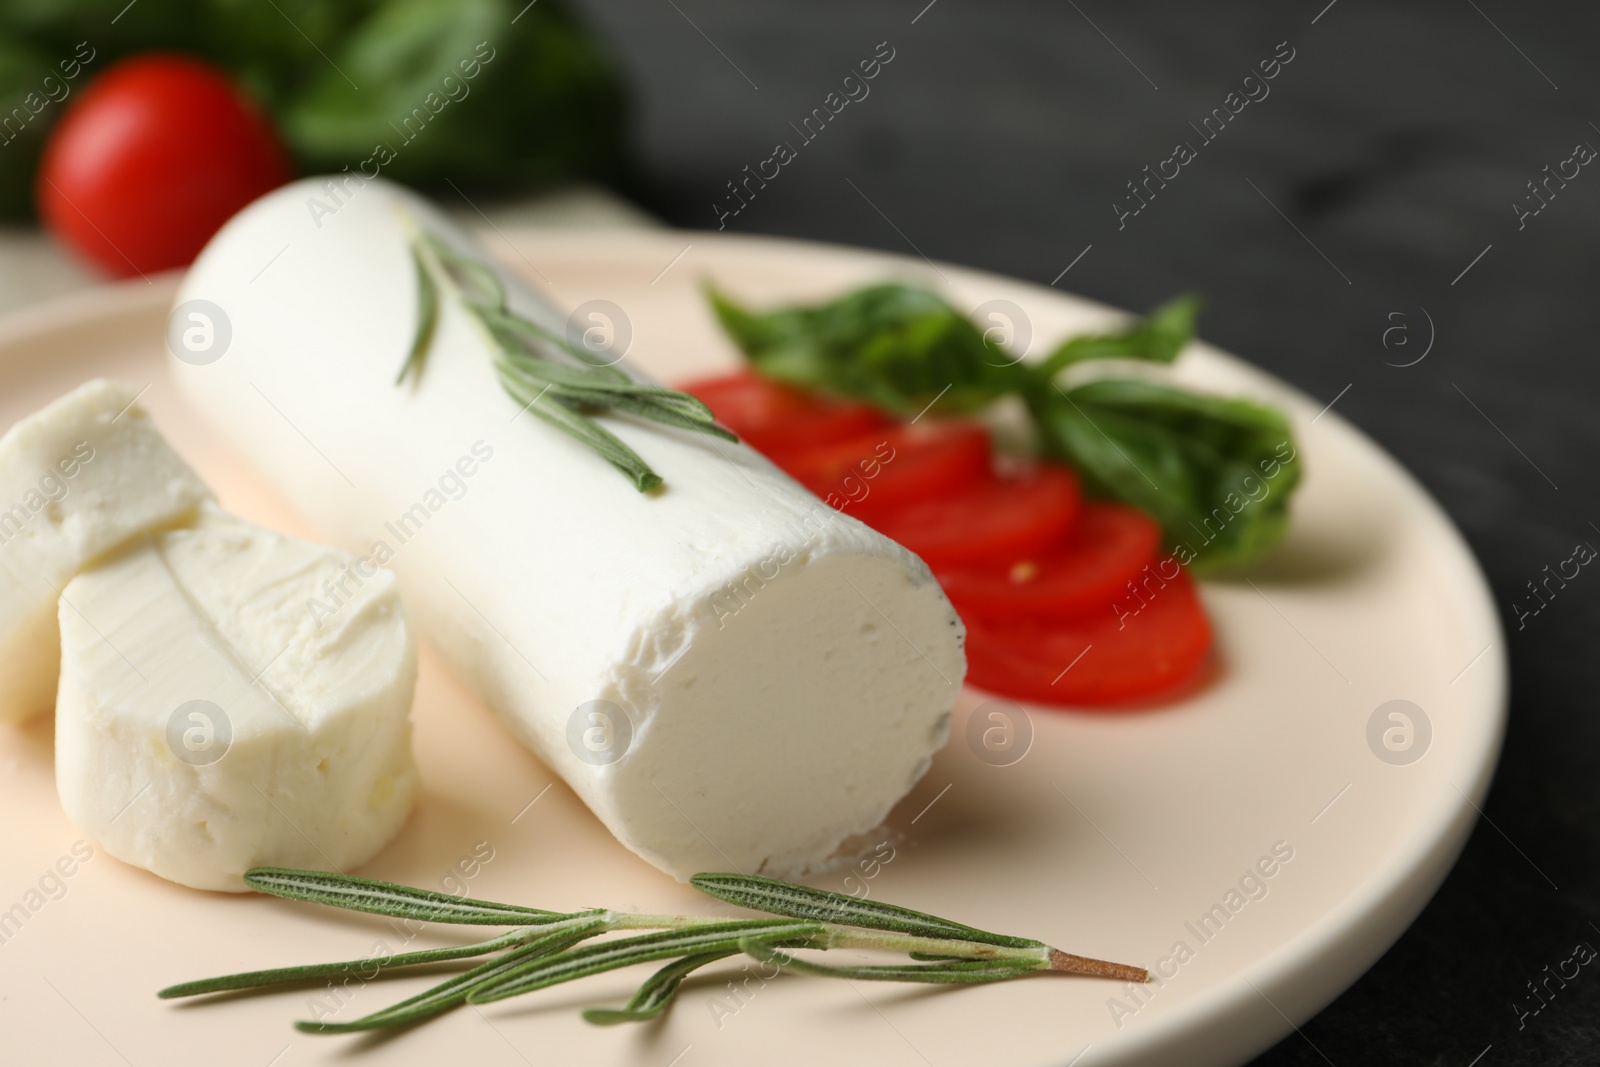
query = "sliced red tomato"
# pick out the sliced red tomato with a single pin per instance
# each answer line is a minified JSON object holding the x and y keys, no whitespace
{"x":893,"y":467}
{"x":774,"y":419}
{"x":1084,"y":572}
{"x":999,"y":516}
{"x":1142,"y":646}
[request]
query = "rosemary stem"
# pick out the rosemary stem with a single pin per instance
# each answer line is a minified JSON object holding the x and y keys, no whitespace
{"x":850,"y":937}
{"x":1068,"y":963}
{"x":1047,"y":958}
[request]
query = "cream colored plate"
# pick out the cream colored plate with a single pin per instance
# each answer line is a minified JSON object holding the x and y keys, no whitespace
{"x":1112,"y":836}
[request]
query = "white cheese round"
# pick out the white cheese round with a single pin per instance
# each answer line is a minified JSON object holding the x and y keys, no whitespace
{"x":211,"y":719}
{"x":729,"y":673}
{"x":78,"y":478}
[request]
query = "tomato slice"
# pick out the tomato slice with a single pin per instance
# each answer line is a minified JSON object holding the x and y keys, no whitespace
{"x":1084,"y":572}
{"x":1139,"y":647}
{"x":999,"y":516}
{"x":774,"y":418}
{"x":893,"y":467}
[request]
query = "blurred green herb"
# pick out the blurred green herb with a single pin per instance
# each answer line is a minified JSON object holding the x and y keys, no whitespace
{"x":550,"y":377}
{"x":342,"y":78}
{"x":548,"y":948}
{"x":427,"y":317}
{"x":1188,"y":459}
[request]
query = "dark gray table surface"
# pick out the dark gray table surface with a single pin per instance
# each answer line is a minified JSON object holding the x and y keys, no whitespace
{"x":1381,"y":175}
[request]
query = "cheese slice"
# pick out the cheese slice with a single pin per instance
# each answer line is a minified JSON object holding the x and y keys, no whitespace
{"x":220,"y":710}
{"x":78,"y":479}
{"x":728,"y":672}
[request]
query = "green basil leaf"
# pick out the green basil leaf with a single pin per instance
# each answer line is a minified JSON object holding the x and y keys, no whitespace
{"x":480,"y":93}
{"x":1156,"y":338}
{"x":895,"y":346}
{"x":1216,"y":472}
{"x":35,"y":97}
{"x":1188,"y":459}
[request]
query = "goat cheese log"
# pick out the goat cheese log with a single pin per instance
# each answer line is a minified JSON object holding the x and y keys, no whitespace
{"x":78,"y":478}
{"x":729,"y":673}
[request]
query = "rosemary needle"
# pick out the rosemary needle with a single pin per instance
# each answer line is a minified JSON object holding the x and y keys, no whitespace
{"x":427,"y":318}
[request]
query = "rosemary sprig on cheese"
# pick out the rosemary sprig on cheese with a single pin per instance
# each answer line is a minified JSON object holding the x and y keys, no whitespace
{"x":547,"y":948}
{"x":549,"y":376}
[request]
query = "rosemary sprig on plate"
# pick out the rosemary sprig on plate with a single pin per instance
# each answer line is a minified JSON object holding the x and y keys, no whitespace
{"x":547,"y":948}
{"x":552,"y":378}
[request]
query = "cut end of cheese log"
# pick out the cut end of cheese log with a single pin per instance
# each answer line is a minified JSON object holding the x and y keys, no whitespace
{"x":78,"y":479}
{"x":768,"y":737}
{"x":220,"y":709}
{"x":728,"y":672}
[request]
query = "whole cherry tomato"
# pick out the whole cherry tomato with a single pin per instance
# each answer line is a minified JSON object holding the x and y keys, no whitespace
{"x":155,"y":155}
